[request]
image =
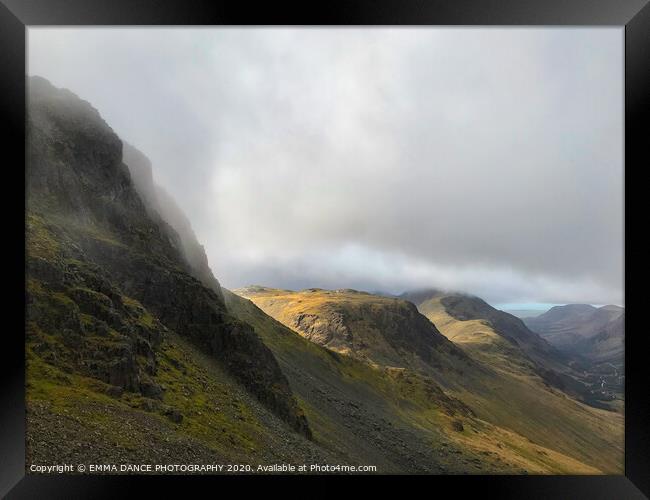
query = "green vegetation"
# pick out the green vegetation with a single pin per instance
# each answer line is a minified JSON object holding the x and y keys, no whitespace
{"x":389,"y":416}
{"x":203,"y":416}
{"x":518,"y":399}
{"x":165,"y":399}
{"x":514,"y":416}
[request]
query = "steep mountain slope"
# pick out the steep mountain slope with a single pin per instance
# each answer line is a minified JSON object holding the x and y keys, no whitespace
{"x":162,"y":207}
{"x":508,"y":337}
{"x":510,"y":328}
{"x":396,"y":418}
{"x":594,"y":333}
{"x":112,"y":302}
{"x":607,"y":346}
{"x":498,"y":381}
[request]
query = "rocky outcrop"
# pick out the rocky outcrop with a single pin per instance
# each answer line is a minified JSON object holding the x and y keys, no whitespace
{"x":78,"y":320}
{"x":383,"y":330}
{"x":108,"y":278}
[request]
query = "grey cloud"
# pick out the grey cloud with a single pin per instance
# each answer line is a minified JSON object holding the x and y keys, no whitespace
{"x":488,"y":160}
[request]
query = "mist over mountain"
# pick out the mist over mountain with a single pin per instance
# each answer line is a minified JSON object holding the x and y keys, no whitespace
{"x":113,"y":307}
{"x":160,"y":204}
{"x":488,"y":161}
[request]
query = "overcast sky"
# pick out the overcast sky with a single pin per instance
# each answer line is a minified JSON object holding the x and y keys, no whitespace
{"x":482,"y":160}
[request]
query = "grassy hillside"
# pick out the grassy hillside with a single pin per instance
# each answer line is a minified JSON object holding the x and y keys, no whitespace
{"x":525,"y":402}
{"x":500,"y":386}
{"x":381,"y":331}
{"x":204,"y":417}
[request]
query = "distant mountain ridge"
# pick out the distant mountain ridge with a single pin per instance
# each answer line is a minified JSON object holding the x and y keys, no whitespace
{"x":596,"y":333}
{"x":481,"y":329}
{"x":465,"y":307}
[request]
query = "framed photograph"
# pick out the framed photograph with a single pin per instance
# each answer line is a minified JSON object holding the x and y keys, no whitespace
{"x":344,"y":243}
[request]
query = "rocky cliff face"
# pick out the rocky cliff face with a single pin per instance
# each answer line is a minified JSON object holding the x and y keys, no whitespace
{"x":382,"y":330}
{"x":106,"y":278}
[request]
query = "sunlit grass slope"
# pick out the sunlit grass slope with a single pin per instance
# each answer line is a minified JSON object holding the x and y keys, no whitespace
{"x":395,"y":417}
{"x":521,"y":400}
{"x":499,"y":385}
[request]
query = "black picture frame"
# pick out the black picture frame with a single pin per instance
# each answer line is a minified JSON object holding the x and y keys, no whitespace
{"x":17,"y":15}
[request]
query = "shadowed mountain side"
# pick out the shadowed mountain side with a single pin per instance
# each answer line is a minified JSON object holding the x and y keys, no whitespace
{"x":607,"y":346}
{"x":106,"y":281}
{"x":160,"y":205}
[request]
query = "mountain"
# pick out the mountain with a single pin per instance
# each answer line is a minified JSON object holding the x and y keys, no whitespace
{"x":132,"y":355}
{"x":136,"y":354}
{"x":491,"y":334}
{"x":495,"y":378}
{"x":120,"y":333}
{"x":399,"y":418}
{"x":607,"y":346}
{"x":377,"y":329}
{"x":595,"y":333}
{"x":509,"y":334}
{"x":464,"y":307}
{"x":162,"y":207}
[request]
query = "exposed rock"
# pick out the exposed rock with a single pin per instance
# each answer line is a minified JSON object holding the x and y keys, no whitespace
{"x":110,"y":276}
{"x":114,"y":391}
{"x":384,"y":330}
{"x":174,"y":415}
